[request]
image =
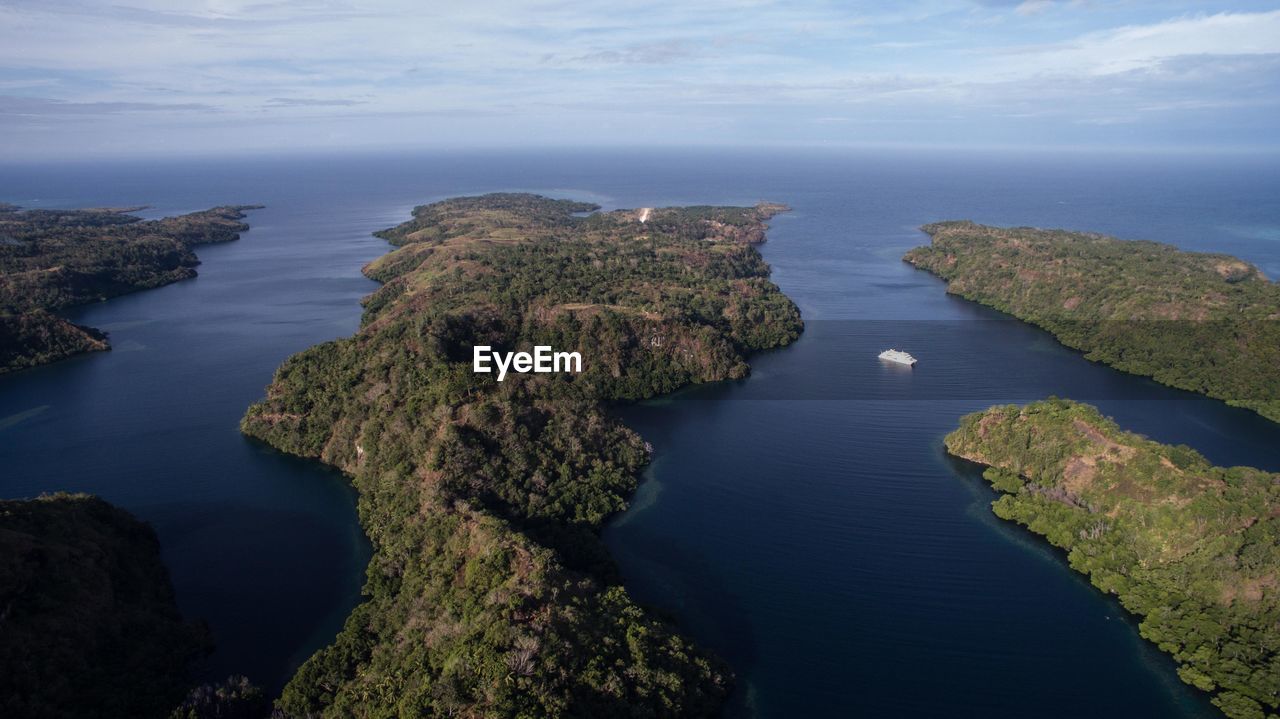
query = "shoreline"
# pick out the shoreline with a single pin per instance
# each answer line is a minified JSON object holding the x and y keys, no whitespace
{"x":427,"y":246}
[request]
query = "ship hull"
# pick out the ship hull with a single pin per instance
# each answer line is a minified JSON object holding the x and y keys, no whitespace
{"x":909,"y":361}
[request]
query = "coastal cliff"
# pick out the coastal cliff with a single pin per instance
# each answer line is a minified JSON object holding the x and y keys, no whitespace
{"x":489,"y":592}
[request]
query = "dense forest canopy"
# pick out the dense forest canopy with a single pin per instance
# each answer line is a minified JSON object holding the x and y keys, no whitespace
{"x":489,"y":592}
{"x":51,"y":259}
{"x":1192,"y":549}
{"x":88,"y":623}
{"x":1208,"y":323}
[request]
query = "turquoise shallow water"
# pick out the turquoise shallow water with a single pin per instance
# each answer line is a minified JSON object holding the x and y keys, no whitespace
{"x":805,"y":522}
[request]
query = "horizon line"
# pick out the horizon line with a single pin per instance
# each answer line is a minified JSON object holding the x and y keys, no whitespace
{"x":13,"y":157}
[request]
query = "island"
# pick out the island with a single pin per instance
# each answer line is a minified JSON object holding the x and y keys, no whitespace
{"x":87,"y":614}
{"x":53,"y":259}
{"x":1190,"y":548}
{"x":1207,"y":323}
{"x":489,"y":592}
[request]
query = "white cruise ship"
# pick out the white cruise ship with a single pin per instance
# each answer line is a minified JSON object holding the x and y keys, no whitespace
{"x":898,"y":356}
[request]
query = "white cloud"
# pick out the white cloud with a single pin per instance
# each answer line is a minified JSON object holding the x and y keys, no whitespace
{"x":1135,"y":46}
{"x":318,"y":64}
{"x":1033,"y":7}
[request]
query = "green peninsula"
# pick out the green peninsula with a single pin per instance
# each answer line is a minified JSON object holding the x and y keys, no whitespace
{"x":489,"y":592}
{"x":1208,"y":323}
{"x":52,"y":259}
{"x":88,"y":623}
{"x":1192,"y":549}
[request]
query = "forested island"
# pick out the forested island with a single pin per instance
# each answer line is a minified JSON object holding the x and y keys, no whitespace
{"x":1208,"y":323}
{"x":88,"y":623}
{"x":1192,"y":549}
{"x":53,"y":259}
{"x":489,"y":592}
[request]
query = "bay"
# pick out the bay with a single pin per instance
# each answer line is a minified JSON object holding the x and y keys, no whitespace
{"x":804,"y":523}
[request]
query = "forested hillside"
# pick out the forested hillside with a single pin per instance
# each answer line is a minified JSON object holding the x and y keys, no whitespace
{"x":1192,"y":549}
{"x":489,"y":592}
{"x":52,"y":259}
{"x":88,"y":623}
{"x":1202,"y":322}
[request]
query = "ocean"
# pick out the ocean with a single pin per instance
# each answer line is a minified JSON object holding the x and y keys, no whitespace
{"x":804,"y":523}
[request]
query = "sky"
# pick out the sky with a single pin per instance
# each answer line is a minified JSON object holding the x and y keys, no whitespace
{"x":84,"y":78}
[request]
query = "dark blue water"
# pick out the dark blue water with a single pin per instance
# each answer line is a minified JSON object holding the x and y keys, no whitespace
{"x":805,"y":523}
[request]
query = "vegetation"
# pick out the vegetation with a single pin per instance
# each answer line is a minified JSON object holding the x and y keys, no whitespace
{"x":87,"y":616}
{"x":489,"y":592}
{"x":1192,"y":549}
{"x":233,"y":698}
{"x":51,"y":259}
{"x":1200,"y":322}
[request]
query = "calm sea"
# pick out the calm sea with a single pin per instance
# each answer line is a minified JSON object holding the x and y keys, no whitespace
{"x":804,"y":523}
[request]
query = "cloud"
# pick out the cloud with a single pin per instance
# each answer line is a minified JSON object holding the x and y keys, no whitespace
{"x":40,"y":106}
{"x":556,"y":71}
{"x":310,"y":102}
{"x":1033,"y":7}
{"x":653,"y":53}
{"x":1028,"y":8}
{"x":1134,"y":46}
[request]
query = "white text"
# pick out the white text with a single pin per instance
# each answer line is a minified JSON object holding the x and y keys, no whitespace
{"x":543,"y":360}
